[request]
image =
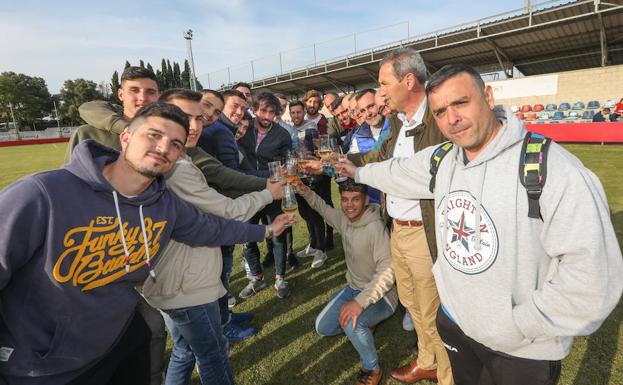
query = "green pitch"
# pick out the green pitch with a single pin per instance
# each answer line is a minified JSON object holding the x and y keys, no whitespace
{"x":287,"y":350}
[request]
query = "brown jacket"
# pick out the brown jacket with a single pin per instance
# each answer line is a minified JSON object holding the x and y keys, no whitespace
{"x":425,"y":135}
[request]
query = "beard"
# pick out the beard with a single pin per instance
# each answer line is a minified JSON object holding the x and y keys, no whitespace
{"x":143,"y":170}
{"x":311,"y":110}
{"x":264,"y":123}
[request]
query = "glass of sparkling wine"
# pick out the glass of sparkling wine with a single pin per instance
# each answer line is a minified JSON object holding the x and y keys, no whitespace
{"x":275,"y":171}
{"x":324,"y":149}
{"x":291,"y":170}
{"x":288,"y":203}
{"x":340,"y":158}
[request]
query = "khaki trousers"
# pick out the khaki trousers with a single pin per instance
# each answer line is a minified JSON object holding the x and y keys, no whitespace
{"x":418,"y":293}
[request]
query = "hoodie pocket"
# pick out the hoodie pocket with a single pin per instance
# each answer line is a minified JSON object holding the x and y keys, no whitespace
{"x":57,"y":339}
{"x":491,"y":323}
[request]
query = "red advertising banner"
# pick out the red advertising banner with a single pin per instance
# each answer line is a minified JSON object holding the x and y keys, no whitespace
{"x":606,"y":132}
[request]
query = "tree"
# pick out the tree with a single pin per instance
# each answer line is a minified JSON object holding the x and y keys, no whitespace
{"x":141,"y":63}
{"x":176,"y":75}
{"x":165,"y":75}
{"x":170,"y":76}
{"x":28,"y":97}
{"x":150,"y":68}
{"x":127,"y":64}
{"x":114,"y":87}
{"x":186,"y":75}
{"x":73,"y":94}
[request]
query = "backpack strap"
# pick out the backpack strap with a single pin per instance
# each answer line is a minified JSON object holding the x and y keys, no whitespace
{"x":533,"y":169}
{"x":435,"y":160}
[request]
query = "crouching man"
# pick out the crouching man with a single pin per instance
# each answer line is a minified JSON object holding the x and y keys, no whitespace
{"x":370,"y":296}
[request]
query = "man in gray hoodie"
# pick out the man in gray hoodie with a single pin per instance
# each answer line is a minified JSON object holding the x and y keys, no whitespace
{"x":514,"y":290}
{"x":370,"y":296}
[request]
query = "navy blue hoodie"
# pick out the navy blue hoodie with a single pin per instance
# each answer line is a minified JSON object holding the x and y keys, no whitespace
{"x":66,"y":295}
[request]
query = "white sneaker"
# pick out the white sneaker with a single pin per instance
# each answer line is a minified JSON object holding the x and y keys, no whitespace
{"x":319,"y":258}
{"x":306,"y":252}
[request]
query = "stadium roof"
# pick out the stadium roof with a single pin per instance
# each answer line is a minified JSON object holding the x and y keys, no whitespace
{"x":575,"y":35}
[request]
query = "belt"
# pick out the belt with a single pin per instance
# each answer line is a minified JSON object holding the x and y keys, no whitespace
{"x":408,"y":223}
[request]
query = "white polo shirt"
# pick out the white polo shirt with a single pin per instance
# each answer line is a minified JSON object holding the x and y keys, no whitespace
{"x":400,"y":208}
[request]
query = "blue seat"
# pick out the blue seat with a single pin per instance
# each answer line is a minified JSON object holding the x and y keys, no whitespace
{"x":564,"y":106}
{"x":593,"y":105}
{"x":551,"y":107}
{"x":544,"y":115}
{"x":574,"y":115}
{"x":558,"y":115}
{"x":588,"y":114}
{"x":578,"y":106}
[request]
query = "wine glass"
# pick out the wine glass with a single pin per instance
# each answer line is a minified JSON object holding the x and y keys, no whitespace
{"x":275,"y":171}
{"x":292,"y":163}
{"x":324,"y":149}
{"x":288,"y":203}
{"x":340,"y":158}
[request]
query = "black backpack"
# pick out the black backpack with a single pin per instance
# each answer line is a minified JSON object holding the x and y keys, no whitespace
{"x":532,"y":168}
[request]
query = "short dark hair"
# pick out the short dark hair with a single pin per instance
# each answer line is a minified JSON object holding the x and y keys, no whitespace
{"x":270,"y":99}
{"x":296,"y":103}
{"x":350,"y":185}
{"x":133,"y":73}
{"x":229,"y":93}
{"x":336,"y":103}
{"x":311,"y":94}
{"x":361,"y":93}
{"x":213,"y":92}
{"x":451,"y":70}
{"x":241,"y":84}
{"x":179,"y":93}
{"x":162,"y":110}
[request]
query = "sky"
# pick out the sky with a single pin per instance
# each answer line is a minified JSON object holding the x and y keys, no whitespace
{"x":66,"y":39}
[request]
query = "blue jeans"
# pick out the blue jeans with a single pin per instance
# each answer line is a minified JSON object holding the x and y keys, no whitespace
{"x":327,"y":324}
{"x":228,"y":263}
{"x":251,"y":252}
{"x":197,"y":335}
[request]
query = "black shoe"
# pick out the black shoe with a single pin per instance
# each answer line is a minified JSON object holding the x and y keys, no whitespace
{"x":329,"y":245}
{"x":293,"y":261}
{"x":268,"y":261}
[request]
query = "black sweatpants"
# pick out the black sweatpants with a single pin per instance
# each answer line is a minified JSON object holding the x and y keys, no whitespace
{"x":475,"y":364}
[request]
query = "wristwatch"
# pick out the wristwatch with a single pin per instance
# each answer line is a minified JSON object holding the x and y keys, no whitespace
{"x":269,"y":232}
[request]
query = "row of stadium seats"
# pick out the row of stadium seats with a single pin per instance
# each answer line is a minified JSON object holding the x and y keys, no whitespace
{"x":564,"y":106}
{"x":558,"y":116}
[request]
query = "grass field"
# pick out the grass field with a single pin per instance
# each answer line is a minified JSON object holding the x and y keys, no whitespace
{"x":286,"y":349}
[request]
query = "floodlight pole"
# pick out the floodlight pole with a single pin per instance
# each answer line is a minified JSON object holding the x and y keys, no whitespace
{"x":527,"y":5}
{"x":58,"y":123}
{"x":14,"y":123}
{"x":188,"y":35}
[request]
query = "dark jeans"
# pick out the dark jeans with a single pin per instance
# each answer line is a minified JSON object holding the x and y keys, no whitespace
{"x":324,"y":190}
{"x":228,"y":263}
{"x":197,"y":337}
{"x":315,"y":224}
{"x":251,"y":252}
{"x":475,"y":364}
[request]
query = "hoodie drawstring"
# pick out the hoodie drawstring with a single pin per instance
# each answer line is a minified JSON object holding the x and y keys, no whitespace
{"x":125,"y":245}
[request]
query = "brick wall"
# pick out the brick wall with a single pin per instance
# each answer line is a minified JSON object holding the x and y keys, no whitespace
{"x":600,"y":84}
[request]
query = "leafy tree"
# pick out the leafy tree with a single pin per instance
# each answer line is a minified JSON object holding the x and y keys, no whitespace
{"x":114,"y":87}
{"x":28,"y":96}
{"x":141,"y":63}
{"x":170,"y":76}
{"x":186,"y":75}
{"x":73,"y":94}
{"x":127,"y":64}
{"x":165,"y":75}
{"x":176,"y":75}
{"x":149,"y":67}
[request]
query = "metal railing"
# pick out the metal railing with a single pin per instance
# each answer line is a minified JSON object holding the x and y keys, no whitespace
{"x":356,"y":44}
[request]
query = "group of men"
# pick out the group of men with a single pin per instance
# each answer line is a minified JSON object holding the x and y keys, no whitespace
{"x":496,"y":287}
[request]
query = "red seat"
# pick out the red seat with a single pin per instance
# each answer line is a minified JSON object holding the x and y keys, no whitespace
{"x":526,"y":108}
{"x":520,"y":115}
{"x":538,"y":108}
